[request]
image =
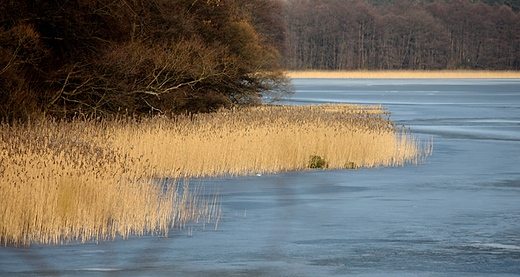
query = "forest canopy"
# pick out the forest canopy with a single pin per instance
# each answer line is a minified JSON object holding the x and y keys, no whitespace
{"x":96,"y":57}
{"x":401,"y":34}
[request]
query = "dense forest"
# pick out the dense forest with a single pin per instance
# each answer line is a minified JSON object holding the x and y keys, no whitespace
{"x":388,"y":34}
{"x":97,"y":57}
{"x":513,"y":4}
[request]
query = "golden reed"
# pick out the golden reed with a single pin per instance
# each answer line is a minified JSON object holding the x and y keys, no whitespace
{"x":266,"y":139}
{"x":61,"y":181}
{"x":406,"y":74}
{"x":96,"y":179}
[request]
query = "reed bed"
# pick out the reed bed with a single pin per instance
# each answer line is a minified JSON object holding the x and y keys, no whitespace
{"x":60,"y":181}
{"x":268,"y":139}
{"x":406,"y":74}
{"x":97,"y":179}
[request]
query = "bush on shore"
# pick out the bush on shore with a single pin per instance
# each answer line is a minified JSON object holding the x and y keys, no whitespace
{"x":99,"y":57}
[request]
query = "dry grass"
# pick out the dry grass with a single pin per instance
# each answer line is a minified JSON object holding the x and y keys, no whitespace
{"x":267,"y":139}
{"x":406,"y":74}
{"x":96,"y":179}
{"x":61,"y":182}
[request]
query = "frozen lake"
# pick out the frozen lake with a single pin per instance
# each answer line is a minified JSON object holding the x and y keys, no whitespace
{"x":457,"y":214}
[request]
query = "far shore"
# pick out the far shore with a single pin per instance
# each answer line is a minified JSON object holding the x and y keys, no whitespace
{"x":404,"y":74}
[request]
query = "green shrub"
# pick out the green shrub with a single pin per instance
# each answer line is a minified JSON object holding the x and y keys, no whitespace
{"x":351,"y":165}
{"x":317,"y":162}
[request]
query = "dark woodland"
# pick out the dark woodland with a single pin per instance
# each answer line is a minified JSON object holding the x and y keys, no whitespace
{"x":98,"y":57}
{"x":102,"y":57}
{"x":386,"y":34}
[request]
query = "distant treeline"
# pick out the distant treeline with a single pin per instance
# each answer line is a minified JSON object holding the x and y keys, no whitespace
{"x":386,"y":34}
{"x":95,"y":57}
{"x":514,"y":4}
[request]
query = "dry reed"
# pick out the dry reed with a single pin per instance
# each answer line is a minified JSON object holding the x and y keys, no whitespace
{"x":406,"y":74}
{"x":60,"y":181}
{"x":96,"y":179}
{"x":267,"y":139}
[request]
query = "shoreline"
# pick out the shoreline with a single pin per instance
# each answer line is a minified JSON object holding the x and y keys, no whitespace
{"x":403,"y":74}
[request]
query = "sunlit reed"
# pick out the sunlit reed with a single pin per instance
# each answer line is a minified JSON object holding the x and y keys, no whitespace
{"x":62,"y":181}
{"x":267,"y":139}
{"x":97,"y":179}
{"x":406,"y":74}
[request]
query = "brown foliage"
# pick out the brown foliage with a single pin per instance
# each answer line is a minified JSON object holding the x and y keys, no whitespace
{"x":102,"y":57}
{"x":352,"y":34}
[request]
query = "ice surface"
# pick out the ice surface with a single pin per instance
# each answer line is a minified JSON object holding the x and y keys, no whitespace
{"x":458,"y":214}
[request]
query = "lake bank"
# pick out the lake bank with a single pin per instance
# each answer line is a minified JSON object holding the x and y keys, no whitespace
{"x":456,"y":214}
{"x":403,"y":74}
{"x":84,"y":179}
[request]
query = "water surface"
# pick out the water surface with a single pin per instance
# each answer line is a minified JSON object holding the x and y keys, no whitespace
{"x":458,"y":214}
